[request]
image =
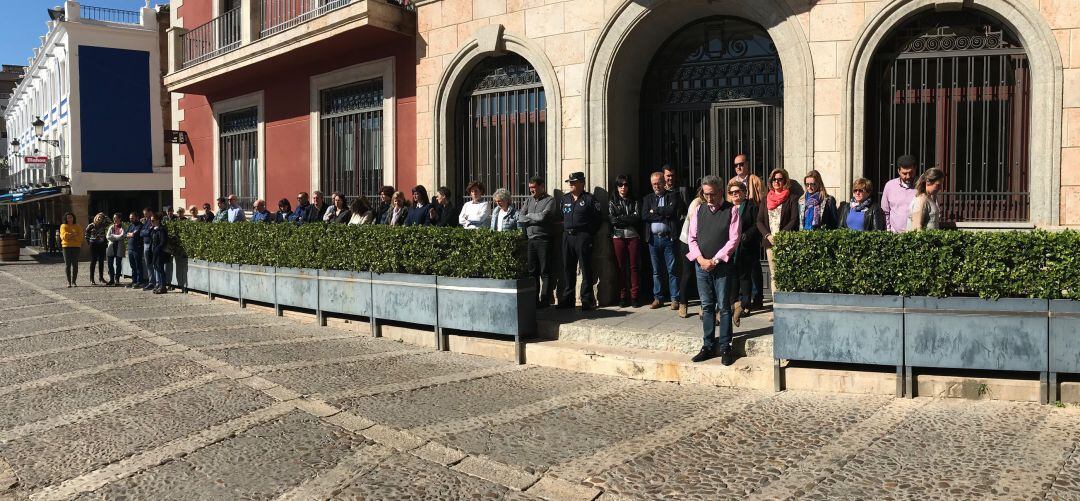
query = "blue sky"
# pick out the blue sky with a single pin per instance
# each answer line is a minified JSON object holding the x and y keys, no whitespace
{"x":23,"y":21}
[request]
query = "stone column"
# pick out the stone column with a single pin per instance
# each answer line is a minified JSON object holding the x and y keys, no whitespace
{"x":250,"y":20}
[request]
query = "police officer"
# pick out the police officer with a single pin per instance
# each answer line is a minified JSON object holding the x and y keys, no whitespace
{"x":581,"y":219}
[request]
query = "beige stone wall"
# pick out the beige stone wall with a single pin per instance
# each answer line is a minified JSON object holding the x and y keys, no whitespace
{"x":568,"y":32}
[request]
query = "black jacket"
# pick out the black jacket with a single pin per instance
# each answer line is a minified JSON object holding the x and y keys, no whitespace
{"x":582,"y":215}
{"x":749,"y":236}
{"x":789,"y":219}
{"x":625,"y":217}
{"x":671,"y":213}
{"x":875,"y":217}
{"x":159,"y":241}
{"x":446,"y":215}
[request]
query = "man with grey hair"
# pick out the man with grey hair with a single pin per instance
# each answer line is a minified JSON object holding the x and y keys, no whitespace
{"x":504,"y":217}
{"x":235,"y":213}
{"x":713,"y":238}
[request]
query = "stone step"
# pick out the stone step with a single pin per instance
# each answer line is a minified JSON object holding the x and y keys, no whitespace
{"x":747,"y":342}
{"x":746,"y":372}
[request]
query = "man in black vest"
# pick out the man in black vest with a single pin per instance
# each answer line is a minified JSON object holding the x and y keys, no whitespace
{"x":714,"y":237}
{"x":581,"y":218}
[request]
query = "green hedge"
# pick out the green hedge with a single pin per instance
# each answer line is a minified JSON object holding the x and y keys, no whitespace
{"x":450,"y":252}
{"x":1036,"y":264}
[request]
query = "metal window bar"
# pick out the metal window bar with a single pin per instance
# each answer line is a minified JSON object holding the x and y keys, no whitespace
{"x":239,"y":155}
{"x":351,"y":139}
{"x":109,"y":15}
{"x":958,"y":97}
{"x":280,"y":15}
{"x":502,"y":128}
{"x":216,"y":37}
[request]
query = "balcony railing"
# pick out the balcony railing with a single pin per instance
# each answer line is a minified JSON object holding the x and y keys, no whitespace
{"x":971,"y":207}
{"x":109,"y":15}
{"x":280,"y":15}
{"x":218,"y":36}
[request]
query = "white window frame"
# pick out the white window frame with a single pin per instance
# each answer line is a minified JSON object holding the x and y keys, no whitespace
{"x":380,"y":68}
{"x":255,"y":99}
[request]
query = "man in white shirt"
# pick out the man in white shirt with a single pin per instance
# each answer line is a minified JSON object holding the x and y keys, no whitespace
{"x":236,"y":213}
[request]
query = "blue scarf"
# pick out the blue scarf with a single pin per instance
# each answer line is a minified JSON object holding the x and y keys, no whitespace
{"x":812,"y":217}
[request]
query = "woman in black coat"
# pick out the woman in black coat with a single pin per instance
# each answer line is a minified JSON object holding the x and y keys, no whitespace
{"x":862,"y":213}
{"x":749,"y":251}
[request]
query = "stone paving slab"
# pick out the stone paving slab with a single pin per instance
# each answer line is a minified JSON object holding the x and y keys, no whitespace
{"x":315,"y":349}
{"x":259,"y":463}
{"x":41,"y":367}
{"x":58,"y":318}
{"x":405,"y":477}
{"x":28,"y":341}
{"x":226,"y":334}
{"x":163,"y":325}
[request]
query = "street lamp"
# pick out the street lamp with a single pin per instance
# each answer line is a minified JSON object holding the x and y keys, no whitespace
{"x":39,"y":130}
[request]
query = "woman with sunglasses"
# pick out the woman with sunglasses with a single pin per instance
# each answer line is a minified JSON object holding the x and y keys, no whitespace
{"x":748,"y":252}
{"x":781,"y":213}
{"x":862,"y":213}
{"x":817,"y":209}
{"x":625,"y":215}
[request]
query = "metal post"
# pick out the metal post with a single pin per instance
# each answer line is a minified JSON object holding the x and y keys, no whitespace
{"x":1044,"y":383}
{"x":778,"y":376}
{"x":899,"y":381}
{"x":1052,"y":389}
{"x":909,"y":382}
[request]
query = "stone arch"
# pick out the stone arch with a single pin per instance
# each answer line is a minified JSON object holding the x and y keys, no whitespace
{"x":1046,"y":89}
{"x":626,"y":45}
{"x":490,"y":41}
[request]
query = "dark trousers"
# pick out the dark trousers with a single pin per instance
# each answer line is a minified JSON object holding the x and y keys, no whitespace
{"x":687,"y":273}
{"x":626,"y":256}
{"x":742,"y":291}
{"x":148,"y":259}
{"x":757,"y":279}
{"x":160,"y":260}
{"x":138,"y":271}
{"x":539,"y":259}
{"x":577,"y":247}
{"x":115,"y":268}
{"x":97,"y":259}
{"x":71,"y":263}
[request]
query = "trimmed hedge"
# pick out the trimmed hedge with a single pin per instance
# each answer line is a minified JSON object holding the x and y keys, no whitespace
{"x":1037,"y":264}
{"x":450,"y":252}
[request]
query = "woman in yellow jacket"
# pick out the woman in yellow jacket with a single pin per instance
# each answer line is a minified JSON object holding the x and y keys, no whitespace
{"x":71,"y":238}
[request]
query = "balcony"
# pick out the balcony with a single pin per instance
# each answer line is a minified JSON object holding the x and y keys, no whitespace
{"x":260,"y":30}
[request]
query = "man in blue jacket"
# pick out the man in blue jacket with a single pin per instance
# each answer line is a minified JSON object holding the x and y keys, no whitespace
{"x":135,"y":250}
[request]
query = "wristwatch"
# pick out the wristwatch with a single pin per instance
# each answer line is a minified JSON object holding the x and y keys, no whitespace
{"x":715,"y":261}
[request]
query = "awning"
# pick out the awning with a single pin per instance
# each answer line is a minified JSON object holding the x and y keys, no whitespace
{"x":31,"y":196}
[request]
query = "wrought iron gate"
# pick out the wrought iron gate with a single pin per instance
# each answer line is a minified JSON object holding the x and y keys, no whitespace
{"x":351,"y":139}
{"x":954,"y":90}
{"x":713,"y":90}
{"x":238,"y":148}
{"x":501,"y":129}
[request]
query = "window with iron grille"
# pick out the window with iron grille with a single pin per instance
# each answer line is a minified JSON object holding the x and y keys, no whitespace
{"x":954,"y":90}
{"x":351,"y":139}
{"x":238,"y":148}
{"x":501,"y":130}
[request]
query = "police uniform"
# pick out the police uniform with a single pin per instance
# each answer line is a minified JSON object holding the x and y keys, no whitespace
{"x":581,"y":219}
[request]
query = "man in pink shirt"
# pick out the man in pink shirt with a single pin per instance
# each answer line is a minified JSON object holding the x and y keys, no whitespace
{"x":897,"y":194}
{"x":714,"y":237}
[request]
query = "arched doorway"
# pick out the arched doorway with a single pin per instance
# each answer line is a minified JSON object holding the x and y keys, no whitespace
{"x":713,"y":90}
{"x":954,"y":90}
{"x":501,"y":126}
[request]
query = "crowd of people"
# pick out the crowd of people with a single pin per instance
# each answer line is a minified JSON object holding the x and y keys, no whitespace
{"x":714,"y":237}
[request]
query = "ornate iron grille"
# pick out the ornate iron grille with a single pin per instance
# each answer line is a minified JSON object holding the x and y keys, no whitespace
{"x":238,"y":149}
{"x":351,"y":139}
{"x":502,"y":127}
{"x":713,"y":90}
{"x":954,"y":90}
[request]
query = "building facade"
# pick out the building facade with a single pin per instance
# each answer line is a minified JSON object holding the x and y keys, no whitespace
{"x":10,"y":75}
{"x":89,"y":106}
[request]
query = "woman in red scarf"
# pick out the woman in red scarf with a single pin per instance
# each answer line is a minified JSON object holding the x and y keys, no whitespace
{"x":781,"y":214}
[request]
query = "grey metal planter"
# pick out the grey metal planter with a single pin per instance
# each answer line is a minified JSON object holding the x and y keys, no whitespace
{"x":223,"y":280}
{"x":404,"y":297}
{"x":298,"y":288}
{"x":973,"y":333}
{"x":257,"y":283}
{"x":844,"y":328}
{"x":345,"y":292}
{"x":197,"y":275}
{"x":506,"y":307}
{"x":178,"y":275}
{"x":1064,"y":341}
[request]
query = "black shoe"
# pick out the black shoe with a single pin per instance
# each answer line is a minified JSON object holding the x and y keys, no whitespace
{"x":563,"y":306}
{"x":586,"y":306}
{"x":624,"y":303}
{"x":636,"y":303}
{"x":159,"y":291}
{"x":148,"y":288}
{"x":702,"y":356}
{"x":92,"y":282}
{"x":727,"y":358}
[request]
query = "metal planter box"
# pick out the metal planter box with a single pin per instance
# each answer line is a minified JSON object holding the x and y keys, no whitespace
{"x":257,"y":283}
{"x":973,"y":333}
{"x":297,"y":287}
{"x":506,"y":307}
{"x":223,"y":280}
{"x":196,"y":274}
{"x":843,"y":328}
{"x":345,"y":292}
{"x":404,"y":297}
{"x":178,"y":272}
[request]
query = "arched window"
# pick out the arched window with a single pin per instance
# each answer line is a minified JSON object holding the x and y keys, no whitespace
{"x":713,"y":90}
{"x":501,"y":126}
{"x":953,"y":89}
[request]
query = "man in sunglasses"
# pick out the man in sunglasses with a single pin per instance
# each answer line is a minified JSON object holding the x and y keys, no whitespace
{"x":305,"y":212}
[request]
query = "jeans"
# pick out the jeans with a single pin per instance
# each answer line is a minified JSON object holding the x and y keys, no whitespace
{"x":71,"y":263}
{"x":662,"y":253}
{"x":97,"y":259}
{"x":539,"y":258}
{"x":159,"y":270}
{"x":713,"y":285}
{"x":138,"y":273}
{"x":626,"y":256}
{"x":116,"y":268}
{"x":148,"y":260}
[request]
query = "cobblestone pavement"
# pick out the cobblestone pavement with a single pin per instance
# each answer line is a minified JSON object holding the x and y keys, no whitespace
{"x":119,"y":394}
